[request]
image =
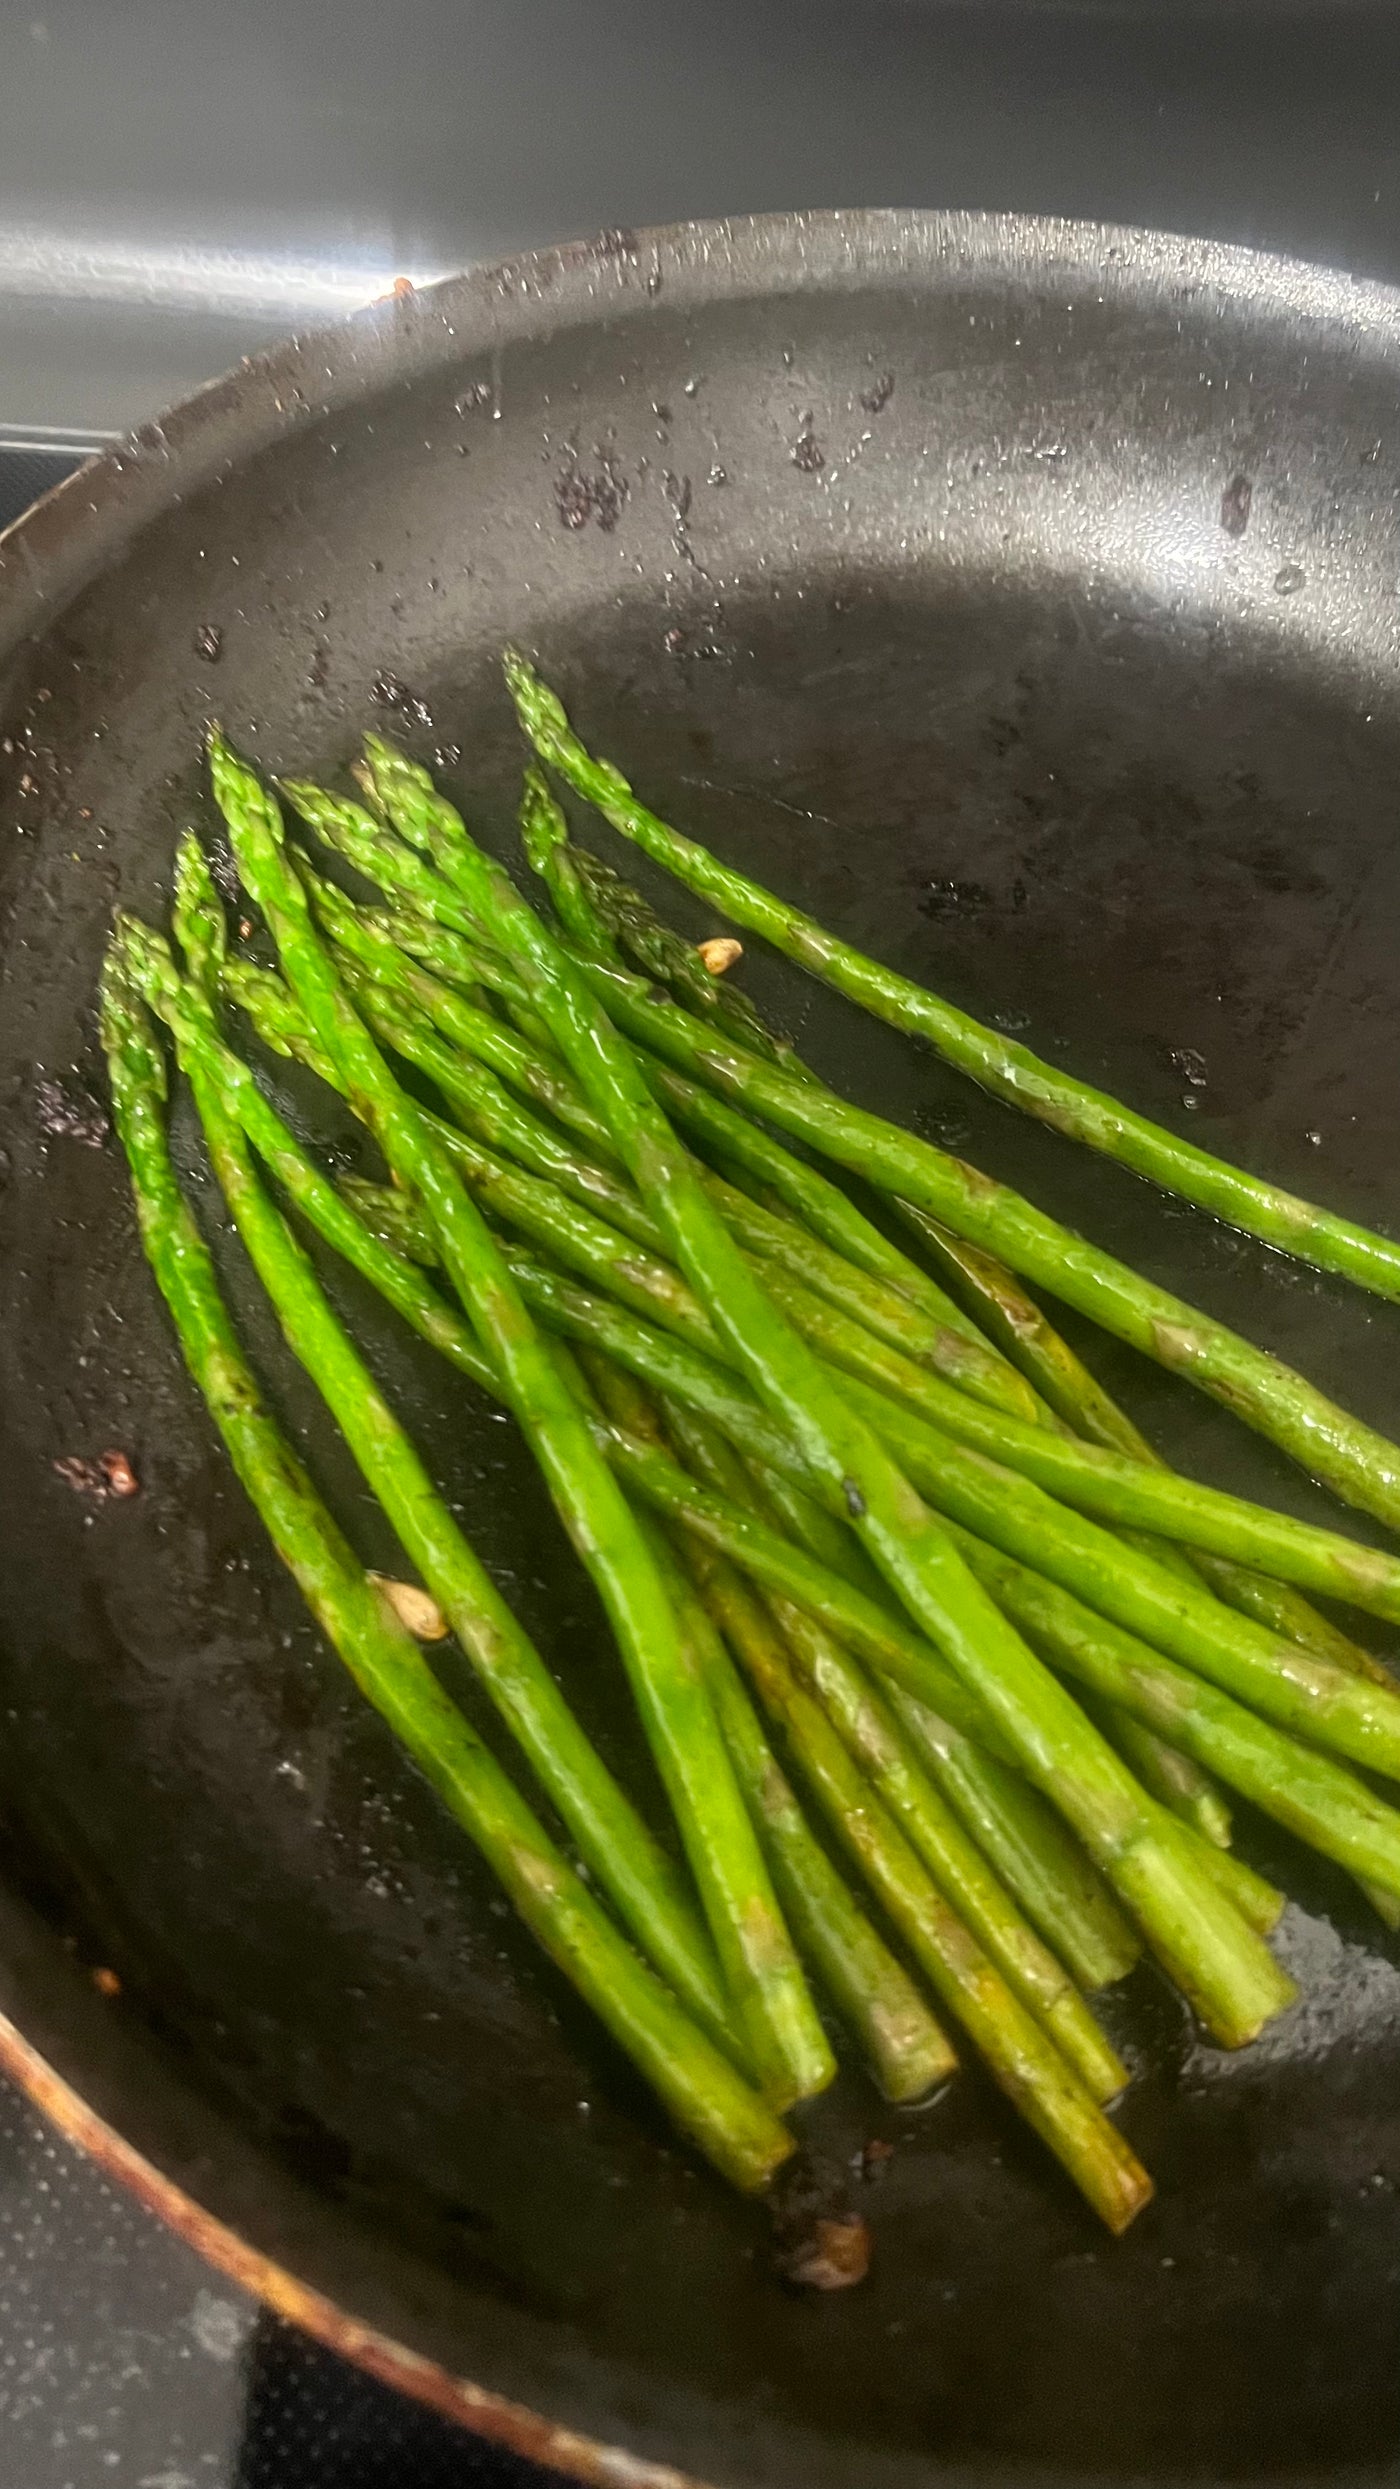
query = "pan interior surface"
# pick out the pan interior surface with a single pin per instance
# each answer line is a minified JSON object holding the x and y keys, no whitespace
{"x":1025,"y":603}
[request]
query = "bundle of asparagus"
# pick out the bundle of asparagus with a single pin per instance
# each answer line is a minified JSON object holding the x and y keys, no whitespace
{"x":945,"y":1674}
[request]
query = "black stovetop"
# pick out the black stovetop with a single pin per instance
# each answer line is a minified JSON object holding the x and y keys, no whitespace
{"x":180,"y":182}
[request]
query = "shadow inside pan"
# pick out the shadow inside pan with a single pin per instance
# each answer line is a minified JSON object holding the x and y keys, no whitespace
{"x":1120,"y":823}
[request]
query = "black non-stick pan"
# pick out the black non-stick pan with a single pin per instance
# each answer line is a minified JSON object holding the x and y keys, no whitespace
{"x":1027,"y":599}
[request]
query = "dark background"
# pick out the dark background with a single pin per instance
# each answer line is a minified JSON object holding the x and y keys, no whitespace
{"x":182,"y":180}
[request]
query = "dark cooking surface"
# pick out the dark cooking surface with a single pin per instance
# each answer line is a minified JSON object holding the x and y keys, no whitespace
{"x":983,"y":681}
{"x":1267,"y":131}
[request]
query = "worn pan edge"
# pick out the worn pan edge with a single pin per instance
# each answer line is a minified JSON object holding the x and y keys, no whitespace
{"x":454,"y":2398}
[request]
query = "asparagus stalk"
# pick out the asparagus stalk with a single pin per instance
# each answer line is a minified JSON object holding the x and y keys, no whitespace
{"x":1035,"y":1856}
{"x":647,"y":1353}
{"x":869,"y":1730}
{"x":425,"y":926}
{"x":1032,"y":1850}
{"x":660,"y":953}
{"x":1330,"y":1707}
{"x":998,"y":1063}
{"x":610,"y":919}
{"x":1360,"y":1464}
{"x":1322,"y":1703}
{"x":1327,"y":1805}
{"x":761,"y":1972}
{"x":610,"y":1835}
{"x":890,"y":1314}
{"x":903,"y":2045}
{"x":1112,"y":1486}
{"x":1022,"y":1330}
{"x":432,"y":1320}
{"x":700,"y":2089}
{"x":905,"y":2049}
{"x":896,"y":1394}
{"x":1021,"y":2057}
{"x":1257,"y":1901}
{"x":1168,"y":1775}
{"x":1043,"y":1867}
{"x":949,"y":1347}
{"x":1343,"y":1711}
{"x":1217,"y":1959}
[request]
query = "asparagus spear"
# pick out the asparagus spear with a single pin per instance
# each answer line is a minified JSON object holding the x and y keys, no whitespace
{"x":949,"y":1346}
{"x":1350,"y":1714}
{"x":611,"y":911}
{"x":1022,"y":1330}
{"x":1217,"y":1960}
{"x":1046,"y":1878}
{"x":1034,"y":1855}
{"x":1045,"y":1870}
{"x":888,"y":1312}
{"x":1099,"y":1950}
{"x":1322,"y":1703}
{"x":1325,"y":1704}
{"x":426,"y":926}
{"x":1167,"y":1774}
{"x":1328,"y":1806}
{"x":1009,"y":1070}
{"x":1112,"y":1486}
{"x":761,"y":1972}
{"x":867,"y":1727}
{"x":1032,"y":1850}
{"x":907,"y":2052}
{"x":1361,"y":1465}
{"x":701,"y":2090}
{"x":1020,"y":2056}
{"x":660,"y":953}
{"x":1257,"y":1901}
{"x":619,"y":1336}
{"x":897,"y":1395}
{"x":611,"y":1837}
{"x":611,"y":919}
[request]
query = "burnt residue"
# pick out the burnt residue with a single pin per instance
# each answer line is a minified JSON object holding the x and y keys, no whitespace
{"x":209,"y":642}
{"x":109,"y":1477}
{"x":599,"y":492}
{"x":66,"y":1114}
{"x":1234,"y":505}
{"x":389,"y":691}
{"x":820,"y":2241}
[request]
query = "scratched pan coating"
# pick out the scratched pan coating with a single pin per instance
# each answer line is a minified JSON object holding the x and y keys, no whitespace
{"x":1025,"y":598}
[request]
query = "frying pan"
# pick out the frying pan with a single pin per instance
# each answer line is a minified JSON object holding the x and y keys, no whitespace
{"x":1025,"y":596}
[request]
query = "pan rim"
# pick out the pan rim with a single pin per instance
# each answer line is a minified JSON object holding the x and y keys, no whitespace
{"x":277,"y":2288}
{"x":59,"y":545}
